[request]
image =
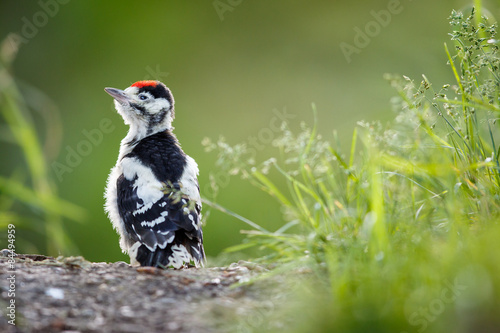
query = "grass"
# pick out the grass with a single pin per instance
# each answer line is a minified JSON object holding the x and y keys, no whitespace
{"x":28,"y":197}
{"x":402,"y":233}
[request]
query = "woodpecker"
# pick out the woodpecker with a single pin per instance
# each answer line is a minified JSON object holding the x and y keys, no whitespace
{"x":152,"y":194}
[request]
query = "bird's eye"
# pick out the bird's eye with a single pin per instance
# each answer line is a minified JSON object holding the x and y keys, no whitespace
{"x":143,"y":97}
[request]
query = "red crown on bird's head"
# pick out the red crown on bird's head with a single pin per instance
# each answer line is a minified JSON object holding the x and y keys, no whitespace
{"x":145,"y":83}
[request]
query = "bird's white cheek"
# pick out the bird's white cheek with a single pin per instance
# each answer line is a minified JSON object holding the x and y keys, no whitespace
{"x":158,"y":106}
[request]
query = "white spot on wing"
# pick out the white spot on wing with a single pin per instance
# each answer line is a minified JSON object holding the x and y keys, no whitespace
{"x":171,"y":239}
{"x":156,"y":221}
{"x":163,"y":245}
{"x":148,"y":187}
{"x":142,"y":209}
{"x":195,"y":250}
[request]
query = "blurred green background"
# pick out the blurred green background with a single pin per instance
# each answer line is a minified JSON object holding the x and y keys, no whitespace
{"x":230,"y":68}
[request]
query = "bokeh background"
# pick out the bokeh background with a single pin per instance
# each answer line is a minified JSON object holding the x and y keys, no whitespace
{"x":231,"y":65}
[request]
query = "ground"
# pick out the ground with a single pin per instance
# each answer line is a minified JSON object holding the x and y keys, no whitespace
{"x":74,"y":295}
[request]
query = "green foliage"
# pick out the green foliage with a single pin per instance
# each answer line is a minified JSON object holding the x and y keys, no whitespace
{"x":28,"y":197}
{"x":409,"y":215}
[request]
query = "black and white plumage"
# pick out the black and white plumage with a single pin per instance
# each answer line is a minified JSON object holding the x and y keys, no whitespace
{"x":152,"y":194}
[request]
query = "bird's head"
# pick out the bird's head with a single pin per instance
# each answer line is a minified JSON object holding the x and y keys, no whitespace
{"x":146,"y":106}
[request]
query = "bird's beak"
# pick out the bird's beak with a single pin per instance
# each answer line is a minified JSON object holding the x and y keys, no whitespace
{"x":119,"y":95}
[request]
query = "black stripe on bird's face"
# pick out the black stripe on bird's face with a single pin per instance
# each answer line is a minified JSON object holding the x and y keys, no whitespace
{"x":141,"y":109}
{"x":157,"y":118}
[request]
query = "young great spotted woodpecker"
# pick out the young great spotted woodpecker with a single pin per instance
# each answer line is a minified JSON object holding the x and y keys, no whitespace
{"x":152,"y":194}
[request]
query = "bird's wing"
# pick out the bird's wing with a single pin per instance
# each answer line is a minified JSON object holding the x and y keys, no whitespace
{"x":154,"y":223}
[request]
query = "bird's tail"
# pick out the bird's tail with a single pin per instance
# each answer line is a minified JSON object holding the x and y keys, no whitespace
{"x":181,"y":252}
